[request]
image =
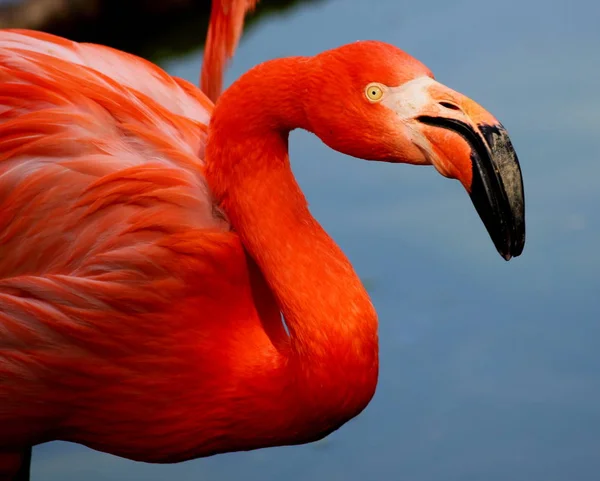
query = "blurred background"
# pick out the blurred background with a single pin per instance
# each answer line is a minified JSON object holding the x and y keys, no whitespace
{"x":489,"y":370}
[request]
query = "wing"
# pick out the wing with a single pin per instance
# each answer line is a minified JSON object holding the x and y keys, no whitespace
{"x":114,"y":262}
{"x":224,"y":32}
{"x":93,"y":140}
{"x":106,"y":221}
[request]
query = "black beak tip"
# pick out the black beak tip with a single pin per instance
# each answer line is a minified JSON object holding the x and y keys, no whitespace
{"x":509,"y":250}
{"x":497,"y":184}
{"x":497,"y":191}
{"x":513,"y":242}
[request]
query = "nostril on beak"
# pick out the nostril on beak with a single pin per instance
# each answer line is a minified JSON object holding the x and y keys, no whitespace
{"x":449,"y":105}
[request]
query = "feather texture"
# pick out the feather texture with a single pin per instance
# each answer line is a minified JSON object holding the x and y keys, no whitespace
{"x":108,"y":150}
{"x":106,"y":221}
{"x":224,"y":32}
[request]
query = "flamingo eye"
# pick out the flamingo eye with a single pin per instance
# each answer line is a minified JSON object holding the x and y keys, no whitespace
{"x":374,"y":92}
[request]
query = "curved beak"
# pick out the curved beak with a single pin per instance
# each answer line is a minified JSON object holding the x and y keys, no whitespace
{"x":467,"y":143}
{"x":496,"y":186}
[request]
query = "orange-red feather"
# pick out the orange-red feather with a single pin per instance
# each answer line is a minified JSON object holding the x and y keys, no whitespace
{"x":224,"y":32}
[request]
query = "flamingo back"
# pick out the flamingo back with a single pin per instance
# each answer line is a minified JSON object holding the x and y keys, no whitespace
{"x":93,"y":142}
{"x":111,"y":247}
{"x":106,"y":220}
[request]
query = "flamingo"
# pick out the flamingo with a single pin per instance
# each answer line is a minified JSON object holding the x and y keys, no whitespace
{"x":165,"y":293}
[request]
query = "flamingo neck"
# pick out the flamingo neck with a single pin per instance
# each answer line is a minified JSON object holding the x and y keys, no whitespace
{"x":333,"y":345}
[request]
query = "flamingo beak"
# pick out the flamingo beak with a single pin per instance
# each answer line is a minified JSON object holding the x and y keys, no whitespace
{"x":492,"y":178}
{"x":465,"y":142}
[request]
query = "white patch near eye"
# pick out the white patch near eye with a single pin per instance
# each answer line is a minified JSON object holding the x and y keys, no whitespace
{"x":409,"y":99}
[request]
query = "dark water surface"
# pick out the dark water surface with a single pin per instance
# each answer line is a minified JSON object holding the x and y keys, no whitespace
{"x":490,"y":371}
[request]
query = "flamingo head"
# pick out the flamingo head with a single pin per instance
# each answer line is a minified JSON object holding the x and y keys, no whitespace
{"x":373,"y":101}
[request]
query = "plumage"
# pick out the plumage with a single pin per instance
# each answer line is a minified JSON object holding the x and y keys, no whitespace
{"x":101,"y":187}
{"x":224,"y":32}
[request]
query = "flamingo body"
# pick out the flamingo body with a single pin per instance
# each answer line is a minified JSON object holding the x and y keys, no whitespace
{"x":133,"y":320}
{"x":116,"y":265}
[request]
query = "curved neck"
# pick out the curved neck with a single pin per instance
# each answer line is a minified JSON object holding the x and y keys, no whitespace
{"x":332,"y":323}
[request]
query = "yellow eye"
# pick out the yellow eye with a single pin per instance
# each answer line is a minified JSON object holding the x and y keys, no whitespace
{"x":374,"y":92}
